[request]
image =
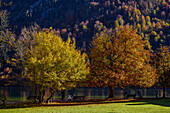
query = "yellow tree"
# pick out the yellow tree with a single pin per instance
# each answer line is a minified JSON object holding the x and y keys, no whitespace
{"x":162,"y":63}
{"x":54,"y":64}
{"x":119,"y":59}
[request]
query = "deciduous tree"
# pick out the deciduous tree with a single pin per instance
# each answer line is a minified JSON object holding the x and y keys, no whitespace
{"x":6,"y":45}
{"x":54,"y":64}
{"x":162,"y":63}
{"x":120,"y":59}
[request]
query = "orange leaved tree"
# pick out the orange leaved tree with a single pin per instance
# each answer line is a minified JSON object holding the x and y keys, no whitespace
{"x":120,"y":59}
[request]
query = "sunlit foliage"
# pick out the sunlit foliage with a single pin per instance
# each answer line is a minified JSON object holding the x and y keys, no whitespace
{"x":54,"y":64}
{"x":119,"y":59}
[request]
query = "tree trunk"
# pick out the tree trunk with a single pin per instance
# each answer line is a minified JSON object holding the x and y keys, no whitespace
{"x":34,"y":89}
{"x":111,"y":93}
{"x":41,"y":95}
{"x":51,"y":95}
{"x":35,"y":93}
{"x":163,"y":92}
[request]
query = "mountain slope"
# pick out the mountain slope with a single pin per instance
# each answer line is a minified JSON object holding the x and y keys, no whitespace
{"x":83,"y":18}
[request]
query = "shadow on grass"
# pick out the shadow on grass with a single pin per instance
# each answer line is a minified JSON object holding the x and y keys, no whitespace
{"x":161,"y":102}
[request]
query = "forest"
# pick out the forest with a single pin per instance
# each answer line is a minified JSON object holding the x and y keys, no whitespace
{"x":82,"y":19}
{"x":62,"y":44}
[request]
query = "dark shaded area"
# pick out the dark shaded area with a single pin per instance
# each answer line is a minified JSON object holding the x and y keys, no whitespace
{"x":161,"y":102}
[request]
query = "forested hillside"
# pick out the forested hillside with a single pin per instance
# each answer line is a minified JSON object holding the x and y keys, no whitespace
{"x":83,"y":18}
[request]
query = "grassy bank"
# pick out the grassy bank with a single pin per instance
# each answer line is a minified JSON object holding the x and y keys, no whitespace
{"x":112,"y":106}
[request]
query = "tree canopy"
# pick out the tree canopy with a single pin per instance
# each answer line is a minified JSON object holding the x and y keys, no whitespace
{"x":54,"y":64}
{"x":120,"y":59}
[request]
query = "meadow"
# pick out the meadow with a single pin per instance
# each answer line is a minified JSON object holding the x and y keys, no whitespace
{"x":112,"y":106}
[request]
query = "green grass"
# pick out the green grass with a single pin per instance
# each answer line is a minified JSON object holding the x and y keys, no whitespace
{"x":139,"y":106}
{"x":16,"y":99}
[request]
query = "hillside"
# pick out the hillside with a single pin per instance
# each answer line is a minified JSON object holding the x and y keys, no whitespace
{"x":83,"y":18}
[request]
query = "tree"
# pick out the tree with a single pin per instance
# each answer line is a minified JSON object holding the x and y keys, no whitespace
{"x":5,"y":47}
{"x":162,"y":63}
{"x":6,"y":40}
{"x":23,"y":43}
{"x":116,"y":24}
{"x":54,"y":64}
{"x":5,"y":35}
{"x":119,"y":59}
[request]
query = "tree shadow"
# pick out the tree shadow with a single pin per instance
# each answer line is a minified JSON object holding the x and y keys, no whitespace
{"x":144,"y":101}
{"x":160,"y":102}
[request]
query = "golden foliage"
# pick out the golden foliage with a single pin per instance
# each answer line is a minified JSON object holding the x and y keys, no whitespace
{"x":54,"y":63}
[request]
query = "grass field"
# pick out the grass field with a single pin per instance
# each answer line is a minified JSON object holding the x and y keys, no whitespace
{"x":122,"y":106}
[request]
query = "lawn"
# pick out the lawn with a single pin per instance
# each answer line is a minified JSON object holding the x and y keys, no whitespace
{"x":123,"y":106}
